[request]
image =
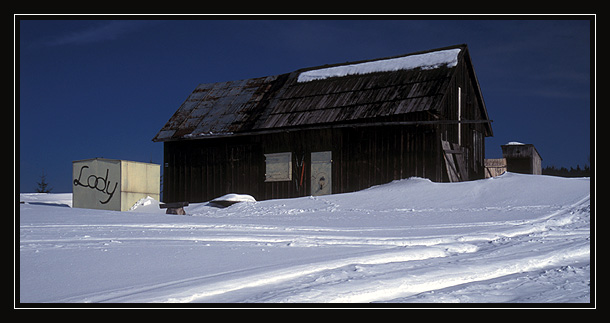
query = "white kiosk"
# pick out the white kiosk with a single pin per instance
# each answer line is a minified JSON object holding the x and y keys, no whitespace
{"x":112,"y":184}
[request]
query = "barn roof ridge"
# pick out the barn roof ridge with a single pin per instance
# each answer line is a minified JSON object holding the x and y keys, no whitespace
{"x":424,"y":60}
{"x":304,"y":69}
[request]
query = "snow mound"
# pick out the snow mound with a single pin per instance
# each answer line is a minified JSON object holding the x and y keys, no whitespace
{"x":230,"y":199}
{"x":235,"y":198}
{"x":424,"y":61}
{"x":147,"y":205}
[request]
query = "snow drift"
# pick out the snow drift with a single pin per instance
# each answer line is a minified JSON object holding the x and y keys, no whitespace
{"x":514,"y":238}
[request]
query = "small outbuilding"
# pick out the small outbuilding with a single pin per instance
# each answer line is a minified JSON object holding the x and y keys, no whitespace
{"x":329,"y":129}
{"x":522,"y":158}
{"x":112,"y":184}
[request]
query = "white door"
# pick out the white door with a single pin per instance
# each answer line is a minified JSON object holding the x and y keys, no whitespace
{"x":321,"y":170}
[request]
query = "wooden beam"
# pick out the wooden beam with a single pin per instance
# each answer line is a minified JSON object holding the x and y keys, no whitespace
{"x":334,"y":126}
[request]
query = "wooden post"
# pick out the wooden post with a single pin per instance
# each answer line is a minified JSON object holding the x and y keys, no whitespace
{"x":459,"y":116}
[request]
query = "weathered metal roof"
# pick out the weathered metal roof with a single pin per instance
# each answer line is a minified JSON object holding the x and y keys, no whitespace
{"x":357,"y":97}
{"x":285,"y":101}
{"x":219,"y":108}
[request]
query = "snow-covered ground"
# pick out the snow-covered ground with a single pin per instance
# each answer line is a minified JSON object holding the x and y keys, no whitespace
{"x":514,"y":238}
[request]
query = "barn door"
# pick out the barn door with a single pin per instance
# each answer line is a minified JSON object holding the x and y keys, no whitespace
{"x":454,"y":161}
{"x":321,"y":170}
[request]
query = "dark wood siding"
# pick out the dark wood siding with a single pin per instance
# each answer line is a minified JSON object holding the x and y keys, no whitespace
{"x":200,"y":170}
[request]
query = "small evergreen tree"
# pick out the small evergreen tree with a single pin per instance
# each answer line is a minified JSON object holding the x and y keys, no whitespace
{"x":43,"y":186}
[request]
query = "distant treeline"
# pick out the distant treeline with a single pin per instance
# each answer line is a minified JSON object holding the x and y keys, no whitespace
{"x":564,"y":172}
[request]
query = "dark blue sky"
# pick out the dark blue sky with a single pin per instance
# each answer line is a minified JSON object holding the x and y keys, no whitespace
{"x":104,"y":88}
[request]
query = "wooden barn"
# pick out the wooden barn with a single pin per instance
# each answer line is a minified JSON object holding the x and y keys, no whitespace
{"x":329,"y":129}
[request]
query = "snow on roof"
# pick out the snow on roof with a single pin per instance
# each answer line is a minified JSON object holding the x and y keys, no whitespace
{"x":514,"y":143}
{"x":424,"y":61}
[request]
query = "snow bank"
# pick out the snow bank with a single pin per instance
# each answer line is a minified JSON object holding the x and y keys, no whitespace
{"x":57,"y":199}
{"x":513,"y":238}
{"x":424,"y":61}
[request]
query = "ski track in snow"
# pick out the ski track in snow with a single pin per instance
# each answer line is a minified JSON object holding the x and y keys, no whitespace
{"x":390,"y":275}
{"x":536,"y":258}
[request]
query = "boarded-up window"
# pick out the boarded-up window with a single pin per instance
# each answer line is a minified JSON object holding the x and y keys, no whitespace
{"x":278,"y":167}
